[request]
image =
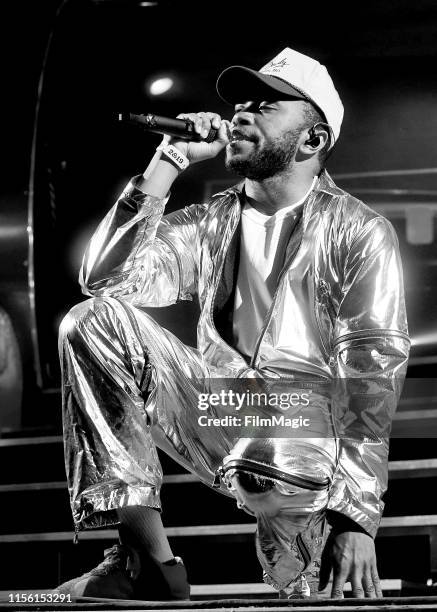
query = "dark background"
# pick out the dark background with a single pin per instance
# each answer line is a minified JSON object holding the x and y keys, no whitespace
{"x":101,"y":58}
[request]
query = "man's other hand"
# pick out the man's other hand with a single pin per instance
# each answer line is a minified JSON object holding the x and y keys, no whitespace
{"x":351,"y":556}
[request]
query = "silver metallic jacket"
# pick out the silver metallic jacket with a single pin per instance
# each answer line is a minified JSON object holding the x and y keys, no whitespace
{"x":338,"y":313}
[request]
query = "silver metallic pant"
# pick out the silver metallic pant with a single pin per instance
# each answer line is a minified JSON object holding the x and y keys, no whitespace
{"x":130,"y":385}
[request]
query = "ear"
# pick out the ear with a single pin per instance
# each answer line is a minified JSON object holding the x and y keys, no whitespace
{"x":315,"y":139}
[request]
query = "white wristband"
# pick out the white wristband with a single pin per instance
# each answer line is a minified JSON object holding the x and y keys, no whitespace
{"x":174,"y":155}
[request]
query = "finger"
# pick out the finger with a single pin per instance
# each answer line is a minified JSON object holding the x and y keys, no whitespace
{"x":206,"y":124}
{"x":375,"y":580}
{"x":195,"y":119}
{"x":369,"y":587}
{"x":224,"y":134}
{"x":357,"y":586}
{"x":215,"y":119}
{"x":340,"y":577}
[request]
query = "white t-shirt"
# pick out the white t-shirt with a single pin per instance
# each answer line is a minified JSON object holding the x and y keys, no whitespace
{"x":264,"y":240}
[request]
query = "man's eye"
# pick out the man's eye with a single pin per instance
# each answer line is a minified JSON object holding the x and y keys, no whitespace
{"x":265,"y":107}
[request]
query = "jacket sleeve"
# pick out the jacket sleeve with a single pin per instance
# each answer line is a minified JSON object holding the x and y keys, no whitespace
{"x":370,"y":354}
{"x":141,"y":256}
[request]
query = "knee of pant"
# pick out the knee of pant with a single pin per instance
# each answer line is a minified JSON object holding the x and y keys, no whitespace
{"x":78,"y":317}
{"x":259,"y":495}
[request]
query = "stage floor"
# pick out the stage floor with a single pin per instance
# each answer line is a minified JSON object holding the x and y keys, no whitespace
{"x":89,"y":604}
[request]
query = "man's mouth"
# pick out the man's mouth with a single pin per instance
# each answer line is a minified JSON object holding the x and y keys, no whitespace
{"x":237,"y":136}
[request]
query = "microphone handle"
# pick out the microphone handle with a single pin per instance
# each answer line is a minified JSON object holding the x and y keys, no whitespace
{"x":179,"y":128}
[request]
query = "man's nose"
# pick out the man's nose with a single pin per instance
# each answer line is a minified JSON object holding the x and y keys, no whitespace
{"x":243,"y":115}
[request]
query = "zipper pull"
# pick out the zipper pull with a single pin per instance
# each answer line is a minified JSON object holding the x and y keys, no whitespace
{"x":323,"y":287}
{"x":217,"y":477}
{"x":304,"y":586}
{"x":76,"y":535}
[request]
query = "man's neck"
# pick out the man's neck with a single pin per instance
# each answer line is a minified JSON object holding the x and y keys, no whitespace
{"x":277,"y":192}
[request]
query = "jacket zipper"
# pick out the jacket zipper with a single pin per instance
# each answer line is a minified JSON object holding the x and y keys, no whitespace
{"x":370,"y":333}
{"x":219,"y":275}
{"x":324,"y":294}
{"x":303,"y":550}
{"x":272,"y":472}
{"x":324,"y":290}
{"x":178,"y":261}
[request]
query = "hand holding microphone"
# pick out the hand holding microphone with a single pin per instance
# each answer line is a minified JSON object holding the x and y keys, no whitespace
{"x":197,"y":136}
{"x":203,"y":125}
{"x":190,"y":138}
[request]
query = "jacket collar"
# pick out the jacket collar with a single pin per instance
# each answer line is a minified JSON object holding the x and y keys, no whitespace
{"x":233,"y":190}
{"x":324,"y":183}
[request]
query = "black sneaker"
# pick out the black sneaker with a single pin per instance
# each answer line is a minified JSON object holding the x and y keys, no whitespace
{"x":162,"y":581}
{"x":113,"y":578}
{"x":175,"y":575}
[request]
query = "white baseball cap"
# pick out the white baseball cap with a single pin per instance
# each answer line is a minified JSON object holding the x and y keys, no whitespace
{"x":290,"y":73}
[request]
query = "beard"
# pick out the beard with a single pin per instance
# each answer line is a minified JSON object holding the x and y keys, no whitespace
{"x":263,"y":163}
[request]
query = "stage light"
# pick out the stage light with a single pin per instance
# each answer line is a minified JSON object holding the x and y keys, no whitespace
{"x":160,"y":86}
{"x":424,"y":339}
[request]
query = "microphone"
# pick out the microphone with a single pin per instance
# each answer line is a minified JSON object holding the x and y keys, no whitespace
{"x":180,"y":128}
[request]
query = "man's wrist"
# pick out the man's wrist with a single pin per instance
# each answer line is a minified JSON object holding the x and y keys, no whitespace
{"x":158,"y":183}
{"x":171,"y":153}
{"x":341,"y":523}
